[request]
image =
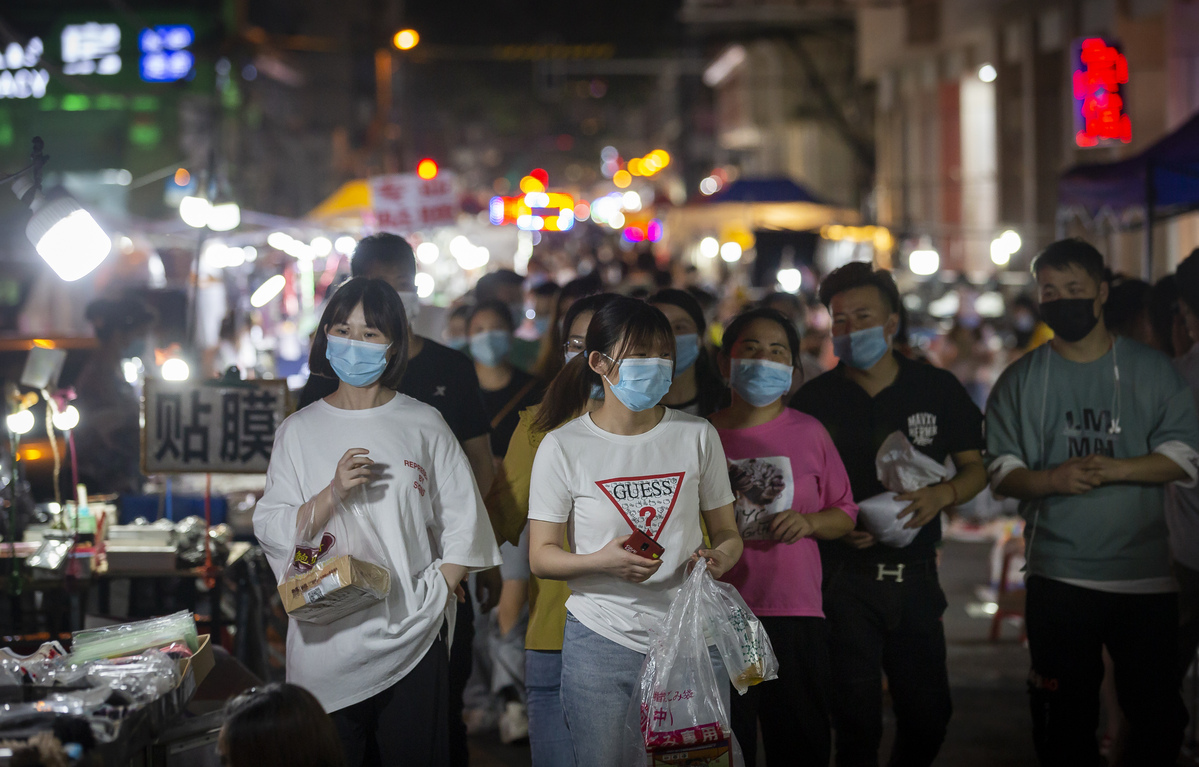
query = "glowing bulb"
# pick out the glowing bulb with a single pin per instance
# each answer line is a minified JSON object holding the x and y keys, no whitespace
{"x":1000,"y":255}
{"x":790,"y":280}
{"x":67,"y":419}
{"x":194,"y":211}
{"x":321,"y":246}
{"x":709,"y":247}
{"x":222,"y":218}
{"x":345,"y":244}
{"x":406,"y":39}
{"x":709,"y":186}
{"x":424,"y":284}
{"x":278,"y":240}
{"x":622,"y":178}
{"x":616,"y":220}
{"x":427,"y":169}
{"x":427,"y":253}
{"x":987,"y":73}
{"x":631,"y":201}
{"x":175,"y":369}
{"x":68,"y":238}
{"x":20,"y":422}
{"x":730,"y":252}
{"x":924,"y":262}
{"x":267,"y":291}
{"x":1012,"y":241}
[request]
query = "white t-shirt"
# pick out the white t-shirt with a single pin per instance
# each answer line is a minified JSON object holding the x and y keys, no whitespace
{"x":606,"y":485}
{"x":426,"y":510}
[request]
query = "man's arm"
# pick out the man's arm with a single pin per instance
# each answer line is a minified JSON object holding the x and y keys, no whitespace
{"x":928,"y":502}
{"x":1074,"y":477}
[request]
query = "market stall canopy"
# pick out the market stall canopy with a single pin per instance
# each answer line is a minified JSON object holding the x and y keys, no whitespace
{"x":1163,"y":180}
{"x":350,"y":203}
{"x":755,"y":204}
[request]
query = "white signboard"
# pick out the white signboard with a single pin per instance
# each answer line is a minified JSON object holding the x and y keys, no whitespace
{"x":405,"y":203}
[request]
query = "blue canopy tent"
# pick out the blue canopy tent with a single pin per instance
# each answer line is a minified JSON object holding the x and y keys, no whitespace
{"x":1158,"y":183}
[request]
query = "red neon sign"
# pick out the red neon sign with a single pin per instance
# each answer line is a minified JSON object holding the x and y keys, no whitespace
{"x":1100,"y":69}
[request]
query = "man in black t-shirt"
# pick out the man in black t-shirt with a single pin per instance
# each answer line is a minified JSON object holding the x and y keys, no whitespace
{"x":445,"y":379}
{"x":884,"y":604}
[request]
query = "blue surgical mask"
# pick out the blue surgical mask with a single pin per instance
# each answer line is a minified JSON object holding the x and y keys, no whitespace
{"x":541,"y":324}
{"x":760,"y":382}
{"x":458,"y":343}
{"x":358,"y":363}
{"x":643,"y":383}
{"x":571,"y":355}
{"x":686,"y":352}
{"x":491,"y":348}
{"x":861,"y":349}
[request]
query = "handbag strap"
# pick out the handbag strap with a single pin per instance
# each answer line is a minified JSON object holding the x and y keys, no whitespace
{"x":520,"y":395}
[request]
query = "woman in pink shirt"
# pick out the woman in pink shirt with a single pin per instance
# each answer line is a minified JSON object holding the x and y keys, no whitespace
{"x":791,"y":490}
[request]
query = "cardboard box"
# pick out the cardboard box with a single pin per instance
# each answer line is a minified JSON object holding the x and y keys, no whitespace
{"x":334,"y":589}
{"x":717,"y":754}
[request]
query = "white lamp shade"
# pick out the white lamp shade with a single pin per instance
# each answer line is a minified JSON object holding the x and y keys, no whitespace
{"x":20,"y":422}
{"x":224,"y":217}
{"x":194,"y":211}
{"x":66,"y":420}
{"x":68,"y":238}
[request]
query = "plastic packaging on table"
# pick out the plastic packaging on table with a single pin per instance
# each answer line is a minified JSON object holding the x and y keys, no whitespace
{"x":128,"y":638}
{"x":143,"y":678}
{"x":677,"y":713}
{"x":901,"y":469}
{"x":337,"y":569}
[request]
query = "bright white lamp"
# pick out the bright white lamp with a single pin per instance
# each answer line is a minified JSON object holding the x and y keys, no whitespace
{"x":194,"y":211}
{"x":175,"y":369}
{"x":20,"y":422}
{"x":68,"y":238}
{"x":223,"y":217}
{"x":65,"y":420}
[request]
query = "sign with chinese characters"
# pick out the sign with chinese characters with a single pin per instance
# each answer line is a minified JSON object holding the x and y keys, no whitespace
{"x":405,"y":203}
{"x":20,"y":77}
{"x":91,"y":49}
{"x":210,"y":426}
{"x":1100,"y":72}
{"x":165,"y":57}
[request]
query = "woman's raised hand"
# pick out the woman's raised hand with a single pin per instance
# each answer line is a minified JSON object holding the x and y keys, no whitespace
{"x":353,"y":469}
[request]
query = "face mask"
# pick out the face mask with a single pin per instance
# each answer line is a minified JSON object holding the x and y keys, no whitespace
{"x":518,"y":313}
{"x":541,"y":324}
{"x":1071,"y":319}
{"x":358,"y":363}
{"x":490,"y":348}
{"x":686,"y":352}
{"x":861,"y":349}
{"x":458,"y":343}
{"x":411,"y":304}
{"x":571,"y":355}
{"x":760,"y":382}
{"x":643,"y":382}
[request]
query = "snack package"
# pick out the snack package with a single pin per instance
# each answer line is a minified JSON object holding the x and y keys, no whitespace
{"x":902,"y":469}
{"x":338,"y":569}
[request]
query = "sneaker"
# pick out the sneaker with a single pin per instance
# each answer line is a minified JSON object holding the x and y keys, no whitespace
{"x":479,"y":720}
{"x":514,"y":723}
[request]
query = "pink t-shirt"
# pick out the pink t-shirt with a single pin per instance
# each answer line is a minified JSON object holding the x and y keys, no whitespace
{"x":788,"y":463}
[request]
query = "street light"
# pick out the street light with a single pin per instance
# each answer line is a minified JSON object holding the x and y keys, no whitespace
{"x":406,"y":39}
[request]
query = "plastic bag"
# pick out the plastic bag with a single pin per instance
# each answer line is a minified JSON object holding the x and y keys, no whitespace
{"x":143,"y":678}
{"x":901,"y":469}
{"x":677,"y":713}
{"x":128,"y":638}
{"x":318,"y":569}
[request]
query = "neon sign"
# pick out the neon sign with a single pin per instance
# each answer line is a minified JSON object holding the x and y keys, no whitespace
{"x":534,"y":211}
{"x":19,"y":79}
{"x":91,"y":48}
{"x":1100,"y":69}
{"x":165,"y":58}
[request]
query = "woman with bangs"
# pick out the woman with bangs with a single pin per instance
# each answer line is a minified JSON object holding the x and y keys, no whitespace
{"x":630,"y":471}
{"x":382,"y":671}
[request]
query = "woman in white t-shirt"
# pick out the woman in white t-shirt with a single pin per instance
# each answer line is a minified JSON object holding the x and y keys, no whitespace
{"x":630,"y":466}
{"x":381,"y":672}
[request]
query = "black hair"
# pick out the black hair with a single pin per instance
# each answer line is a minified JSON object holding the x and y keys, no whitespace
{"x":587,"y":285}
{"x":1126,"y":304}
{"x":743,"y":320}
{"x":547,"y":288}
{"x":110,"y":316}
{"x":622,"y":323}
{"x":280,"y":724}
{"x":383,"y":250}
{"x":1163,"y":307}
{"x":489,"y":284}
{"x":550,"y":359}
{"x":856,"y":275}
{"x":792,"y":300}
{"x":383,"y":310}
{"x":1187,"y":279}
{"x":464,"y":311}
{"x":684,"y":301}
{"x":1063,"y":254}
{"x":499,"y":308}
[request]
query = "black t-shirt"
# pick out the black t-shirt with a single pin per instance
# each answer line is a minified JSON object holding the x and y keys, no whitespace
{"x":438,"y":376}
{"x":927,"y":404}
{"x":496,"y":401}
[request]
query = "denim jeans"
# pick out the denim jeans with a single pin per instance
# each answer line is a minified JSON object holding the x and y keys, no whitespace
{"x":598,"y":679}
{"x":549,"y":737}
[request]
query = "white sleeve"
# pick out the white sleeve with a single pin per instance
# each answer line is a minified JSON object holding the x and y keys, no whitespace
{"x":714,"y":488}
{"x":1185,"y":456}
{"x":1001,"y":467}
{"x":460,"y":523}
{"x":550,"y":496}
{"x":275,"y":513}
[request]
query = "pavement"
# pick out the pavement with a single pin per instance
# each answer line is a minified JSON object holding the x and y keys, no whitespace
{"x":990,"y":726}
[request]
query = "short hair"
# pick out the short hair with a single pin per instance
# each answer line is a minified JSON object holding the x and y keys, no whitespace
{"x":792,"y":300}
{"x":1187,"y":280}
{"x":548,"y":288}
{"x":1126,"y":304}
{"x":383,"y":250}
{"x":498,"y":308}
{"x":383,"y":310}
{"x":684,"y":301}
{"x":1063,"y":254}
{"x":462,"y":311}
{"x":489,"y":284}
{"x":860,"y":274}
{"x":742,"y":321}
{"x":280,"y":724}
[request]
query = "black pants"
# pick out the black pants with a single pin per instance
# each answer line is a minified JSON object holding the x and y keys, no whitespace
{"x":890,"y":626}
{"x":1188,"y":616}
{"x":461,"y":660}
{"x":1068,"y":627}
{"x":404,"y":724}
{"x":793,"y":709}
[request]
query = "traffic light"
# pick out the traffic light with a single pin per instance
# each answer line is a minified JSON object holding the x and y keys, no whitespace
{"x":427,"y":169}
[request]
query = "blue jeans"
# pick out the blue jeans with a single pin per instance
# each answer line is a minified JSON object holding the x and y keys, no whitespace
{"x":598,"y":680}
{"x":549,"y":737}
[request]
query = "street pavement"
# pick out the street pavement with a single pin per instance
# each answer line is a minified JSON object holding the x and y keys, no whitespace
{"x":990,"y":726}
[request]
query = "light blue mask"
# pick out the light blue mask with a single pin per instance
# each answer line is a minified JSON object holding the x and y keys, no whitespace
{"x":458,"y":343}
{"x":491,"y":348}
{"x":643,"y":382}
{"x":686,"y":352}
{"x":861,"y":349}
{"x":760,"y":382}
{"x":358,"y":363}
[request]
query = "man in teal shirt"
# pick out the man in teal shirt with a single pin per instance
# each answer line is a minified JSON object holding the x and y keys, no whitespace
{"x":1086,"y":431}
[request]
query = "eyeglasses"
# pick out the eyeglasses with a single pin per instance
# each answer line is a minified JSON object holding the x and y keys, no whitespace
{"x":575,"y":345}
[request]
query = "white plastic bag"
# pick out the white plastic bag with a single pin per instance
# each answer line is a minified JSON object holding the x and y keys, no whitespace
{"x":677,"y":712}
{"x":349,"y":532}
{"x":901,"y":469}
